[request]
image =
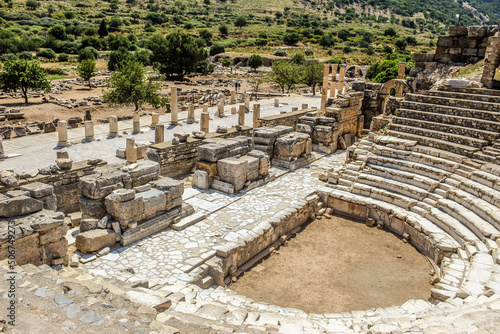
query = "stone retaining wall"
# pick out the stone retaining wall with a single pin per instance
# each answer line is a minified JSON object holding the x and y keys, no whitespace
{"x":180,"y":159}
{"x":287,"y":119}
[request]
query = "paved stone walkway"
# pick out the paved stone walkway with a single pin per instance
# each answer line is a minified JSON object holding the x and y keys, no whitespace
{"x":38,"y":151}
{"x":173,"y":252}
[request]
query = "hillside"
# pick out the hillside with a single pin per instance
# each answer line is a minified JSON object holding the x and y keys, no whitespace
{"x":354,"y":30}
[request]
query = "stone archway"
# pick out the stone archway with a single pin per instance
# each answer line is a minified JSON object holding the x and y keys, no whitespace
{"x":385,"y":91}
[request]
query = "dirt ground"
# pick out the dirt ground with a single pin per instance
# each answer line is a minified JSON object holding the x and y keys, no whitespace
{"x":336,"y":265}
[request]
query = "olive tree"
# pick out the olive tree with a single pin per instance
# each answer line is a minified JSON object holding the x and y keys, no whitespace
{"x":23,"y":75}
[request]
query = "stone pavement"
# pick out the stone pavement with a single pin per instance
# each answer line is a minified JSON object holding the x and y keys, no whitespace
{"x":173,"y":252}
{"x":38,"y":151}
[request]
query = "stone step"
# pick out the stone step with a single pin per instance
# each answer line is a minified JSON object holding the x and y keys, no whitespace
{"x":478,"y":189}
{"x":426,"y":159}
{"x":207,"y":282}
{"x":383,"y":195}
{"x":470,"y":122}
{"x":437,"y":143}
{"x":451,"y":225}
{"x":445,"y":133}
{"x":188,"y":221}
{"x":485,"y":156}
{"x":439,"y":153}
{"x":452,"y":102}
{"x":409,"y":166}
{"x":403,"y":188}
{"x":476,"y":91}
{"x":450,"y":110}
{"x":420,"y":181}
{"x":481,"y":228}
{"x":465,"y":96}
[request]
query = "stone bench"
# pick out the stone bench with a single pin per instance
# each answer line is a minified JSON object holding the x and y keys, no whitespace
{"x":420,"y":181}
{"x":471,"y":122}
{"x":424,"y":159}
{"x":465,"y":96}
{"x":393,"y":185}
{"x":475,"y":91}
{"x":409,"y":166}
{"x":454,"y":227}
{"x":451,"y":110}
{"x":438,"y":135}
{"x":436,"y":125}
{"x":485,"y":210}
{"x":488,"y":194}
{"x":438,"y":100}
{"x":437,"y":143}
{"x":481,"y":228}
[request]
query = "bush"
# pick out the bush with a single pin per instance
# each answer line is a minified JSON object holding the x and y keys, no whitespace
{"x":46,"y":53}
{"x":370,"y":50}
{"x":8,"y":56}
{"x":390,"y":32}
{"x":347,"y":49}
{"x":388,"y":49}
{"x":59,"y":32}
{"x":291,"y":38}
{"x":87,"y":53}
{"x":401,"y":43}
{"x":326,"y":40}
{"x":411,"y":40}
{"x":343,"y":34}
{"x":223,"y":29}
{"x":26,"y":55}
{"x":280,"y":53}
{"x":309,"y":52}
{"x":226,"y":62}
{"x":205,"y":67}
{"x":63,"y":57}
{"x":117,"y":57}
{"x":335,"y":60}
{"x":255,"y":61}
{"x":216,"y":49}
{"x":298,"y":58}
{"x":54,"y":71}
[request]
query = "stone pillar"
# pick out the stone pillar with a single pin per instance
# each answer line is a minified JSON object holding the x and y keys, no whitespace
{"x":276,"y":102}
{"x":324,"y":87}
{"x":241,"y":115}
{"x":136,"y":122}
{"x":340,"y":86}
{"x":401,"y":75}
{"x":131,"y":150}
{"x":305,"y":106}
{"x":221,"y":108}
{"x":62,"y":131}
{"x":383,"y":102}
{"x":159,"y":133}
{"x":247,"y":102}
{"x":256,"y":115}
{"x":174,"y":111}
{"x":233,"y":97}
{"x":89,"y":130}
{"x":191,"y":119}
{"x":334,"y":80}
{"x":233,"y":110}
{"x":155,"y":119}
{"x":204,"y":122}
{"x":113,"y":126}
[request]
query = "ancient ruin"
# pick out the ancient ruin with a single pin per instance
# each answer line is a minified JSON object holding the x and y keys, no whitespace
{"x":165,"y":211}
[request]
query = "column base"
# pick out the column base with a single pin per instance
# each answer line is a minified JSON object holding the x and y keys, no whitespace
{"x":113,"y":134}
{"x":62,"y":144}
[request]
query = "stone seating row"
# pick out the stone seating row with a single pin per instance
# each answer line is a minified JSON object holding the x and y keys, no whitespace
{"x":450,"y":110}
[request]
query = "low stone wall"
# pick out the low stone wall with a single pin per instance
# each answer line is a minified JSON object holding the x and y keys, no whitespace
{"x":246,"y":246}
{"x":176,"y":160}
{"x":288,"y":119}
{"x":65,"y":182}
{"x":393,"y":221}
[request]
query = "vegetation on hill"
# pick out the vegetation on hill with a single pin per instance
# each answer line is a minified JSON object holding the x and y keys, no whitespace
{"x":355,"y":31}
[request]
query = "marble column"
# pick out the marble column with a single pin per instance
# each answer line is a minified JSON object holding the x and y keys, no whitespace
{"x":334,"y":80}
{"x":241,"y":115}
{"x":204,"y":122}
{"x":191,"y":119}
{"x":174,"y":111}
{"x":62,"y":132}
{"x":340,"y":86}
{"x":159,"y":133}
{"x":324,"y":87}
{"x":131,"y":150}
{"x":89,"y":130}
{"x":136,"y":122}
{"x":256,"y":115}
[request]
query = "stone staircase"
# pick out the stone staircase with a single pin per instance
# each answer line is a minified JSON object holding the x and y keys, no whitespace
{"x":464,"y":121}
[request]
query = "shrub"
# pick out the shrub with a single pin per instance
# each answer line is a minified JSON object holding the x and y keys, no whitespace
{"x":223,"y":29}
{"x":291,"y":38}
{"x":63,"y":57}
{"x":390,"y":32}
{"x":216,"y":49}
{"x":87,"y":53}
{"x":347,"y":49}
{"x":46,"y":53}
{"x":309,"y":52}
{"x":280,"y":53}
{"x":54,"y":71}
{"x":255,"y":61}
{"x":26,"y":55}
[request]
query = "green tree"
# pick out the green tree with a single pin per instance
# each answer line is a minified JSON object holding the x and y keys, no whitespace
{"x":129,"y":85}
{"x":177,"y":53}
{"x":291,"y":38}
{"x":23,"y":75}
{"x":87,"y":53}
{"x":326,"y":40}
{"x":312,"y":74}
{"x":390,"y":32}
{"x":87,"y":70}
{"x":206,"y":35}
{"x":226,"y":62}
{"x":103,"y":28}
{"x":59,"y":32}
{"x":117,"y":57}
{"x":343,"y":34}
{"x":285,"y":74}
{"x":255,"y":61}
{"x":240,"y":22}
{"x":32,"y":4}
{"x":401,"y":43}
{"x":298,"y":58}
{"x":224,"y":30}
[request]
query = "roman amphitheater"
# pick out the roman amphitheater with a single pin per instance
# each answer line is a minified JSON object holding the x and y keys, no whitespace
{"x":373,"y":208}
